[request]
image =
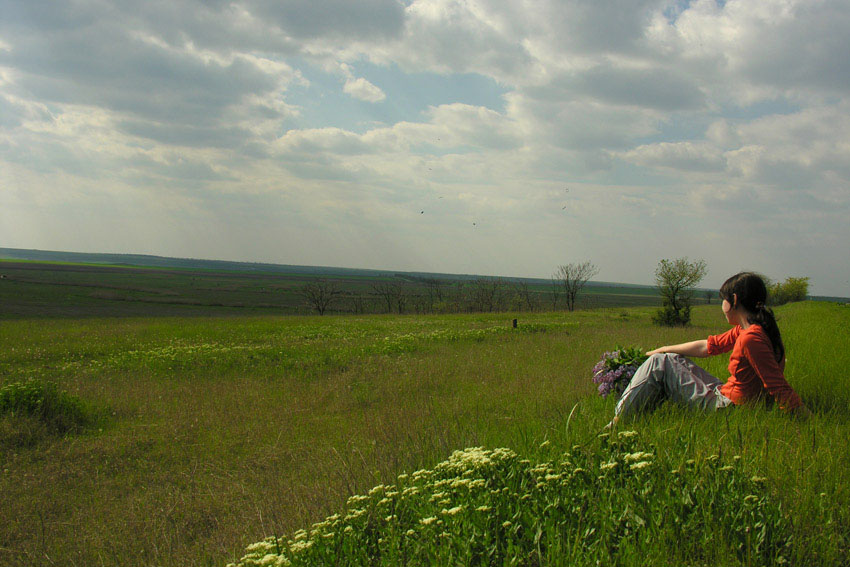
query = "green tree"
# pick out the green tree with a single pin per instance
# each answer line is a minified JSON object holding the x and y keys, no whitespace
{"x":792,"y":289}
{"x":676,"y":280}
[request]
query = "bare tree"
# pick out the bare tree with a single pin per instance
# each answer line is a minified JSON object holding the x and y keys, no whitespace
{"x":320,"y":294}
{"x":556,"y":292}
{"x":392,"y":295}
{"x":525,"y":296}
{"x":676,"y":280}
{"x":435,"y":291}
{"x":486,"y":294}
{"x":573,"y":277}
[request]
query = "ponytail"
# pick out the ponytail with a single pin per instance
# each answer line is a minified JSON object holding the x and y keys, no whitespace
{"x":752,"y":295}
{"x":763,"y":317}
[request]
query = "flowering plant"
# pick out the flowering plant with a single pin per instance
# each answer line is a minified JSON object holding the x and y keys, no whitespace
{"x":615,"y":370}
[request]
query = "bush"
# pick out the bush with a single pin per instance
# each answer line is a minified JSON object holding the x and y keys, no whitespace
{"x":36,"y":402}
{"x":670,"y":317}
{"x":792,"y":289}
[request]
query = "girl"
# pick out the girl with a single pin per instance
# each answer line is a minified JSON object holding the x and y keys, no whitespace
{"x":756,"y":365}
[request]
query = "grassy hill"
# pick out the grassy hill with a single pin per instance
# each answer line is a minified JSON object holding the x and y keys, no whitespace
{"x":36,"y":288}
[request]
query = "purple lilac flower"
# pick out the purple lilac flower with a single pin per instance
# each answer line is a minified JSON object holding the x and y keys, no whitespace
{"x":610,"y":379}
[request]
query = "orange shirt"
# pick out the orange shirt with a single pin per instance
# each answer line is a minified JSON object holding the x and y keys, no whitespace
{"x":753,"y":368}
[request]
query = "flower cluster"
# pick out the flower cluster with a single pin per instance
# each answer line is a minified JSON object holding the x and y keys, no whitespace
{"x":616,"y":368}
{"x":492,"y":507}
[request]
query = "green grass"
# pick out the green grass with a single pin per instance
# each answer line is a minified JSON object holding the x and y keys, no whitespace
{"x":225,"y":431}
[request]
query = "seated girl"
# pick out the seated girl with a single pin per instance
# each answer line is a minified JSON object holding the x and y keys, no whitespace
{"x":756,"y":365}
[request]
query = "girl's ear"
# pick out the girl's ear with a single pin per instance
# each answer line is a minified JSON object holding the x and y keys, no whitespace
{"x":734,"y":301}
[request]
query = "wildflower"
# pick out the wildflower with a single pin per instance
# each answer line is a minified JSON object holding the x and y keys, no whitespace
{"x":356,"y":499}
{"x":727,"y":468}
{"x":264,"y":545}
{"x":608,"y":466}
{"x":483,"y":509}
{"x":453,"y":511}
{"x":299,"y":546}
{"x":545,"y":444}
{"x":437,"y":496}
{"x":269,"y":559}
{"x":751,"y":499}
{"x":640,"y":466}
{"x":410,"y":533}
{"x":506,"y":524}
{"x":428,"y":521}
{"x":759,"y":479}
{"x":627,"y":434}
{"x":638,"y":456}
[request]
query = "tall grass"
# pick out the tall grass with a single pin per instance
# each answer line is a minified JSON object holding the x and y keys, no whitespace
{"x":226,"y":431}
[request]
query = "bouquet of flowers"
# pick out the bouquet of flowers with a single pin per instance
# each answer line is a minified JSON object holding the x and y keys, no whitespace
{"x":616,"y":369}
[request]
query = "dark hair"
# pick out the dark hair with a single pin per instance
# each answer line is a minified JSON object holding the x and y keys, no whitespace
{"x":752,"y":295}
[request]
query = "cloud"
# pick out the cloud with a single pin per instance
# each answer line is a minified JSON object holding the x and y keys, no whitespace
{"x":678,"y":156}
{"x":719,"y":120}
{"x":362,"y":89}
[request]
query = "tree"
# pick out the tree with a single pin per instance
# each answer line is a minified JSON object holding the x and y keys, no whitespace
{"x":572,"y":278}
{"x":485,"y":294}
{"x":676,"y":280}
{"x":320,"y":294}
{"x":392,"y":294}
{"x":524,"y":296}
{"x":792,"y":289}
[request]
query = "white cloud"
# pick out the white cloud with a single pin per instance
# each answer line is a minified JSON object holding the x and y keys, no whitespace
{"x":691,"y":128}
{"x":362,"y":89}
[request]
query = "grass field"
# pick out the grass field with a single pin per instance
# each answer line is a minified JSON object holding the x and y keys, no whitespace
{"x":209,"y":434}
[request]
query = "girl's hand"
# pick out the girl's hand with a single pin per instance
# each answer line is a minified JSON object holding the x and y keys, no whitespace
{"x":659,"y":350}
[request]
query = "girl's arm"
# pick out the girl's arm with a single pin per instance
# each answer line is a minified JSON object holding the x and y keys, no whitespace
{"x":698,"y":349}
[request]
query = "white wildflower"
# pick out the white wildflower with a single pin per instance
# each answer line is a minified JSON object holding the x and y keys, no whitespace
{"x":638,"y":456}
{"x":640,"y":466}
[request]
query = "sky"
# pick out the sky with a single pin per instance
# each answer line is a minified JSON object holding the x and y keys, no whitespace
{"x":491,"y":137}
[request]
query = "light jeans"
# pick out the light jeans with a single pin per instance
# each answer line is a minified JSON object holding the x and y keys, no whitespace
{"x":670,"y":377}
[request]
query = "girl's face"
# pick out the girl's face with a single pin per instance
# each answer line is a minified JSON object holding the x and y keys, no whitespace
{"x":729,"y":312}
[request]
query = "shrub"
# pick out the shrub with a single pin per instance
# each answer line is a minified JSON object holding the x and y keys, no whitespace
{"x":671,"y":317}
{"x":792,"y":289}
{"x":44,"y":403}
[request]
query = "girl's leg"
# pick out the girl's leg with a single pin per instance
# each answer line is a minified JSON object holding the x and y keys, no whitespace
{"x":669,"y":376}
